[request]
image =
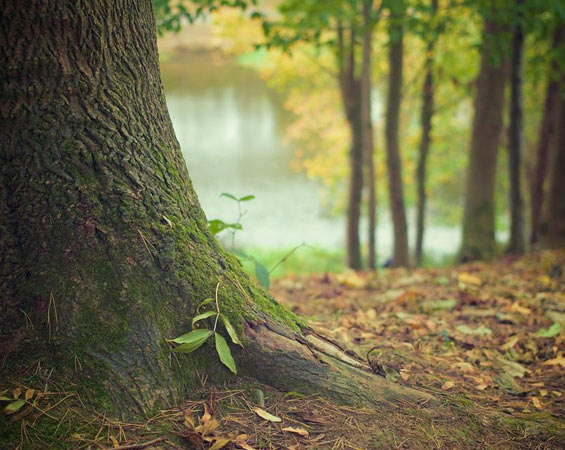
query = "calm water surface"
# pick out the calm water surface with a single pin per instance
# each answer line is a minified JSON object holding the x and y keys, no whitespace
{"x":231,"y":127}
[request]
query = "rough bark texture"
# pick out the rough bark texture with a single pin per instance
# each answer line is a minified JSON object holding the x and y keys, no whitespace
{"x":368,"y":141}
{"x":426,"y":124}
{"x":478,"y":221}
{"x":517,"y":242}
{"x":104,"y":250}
{"x":546,"y":136}
{"x":393,"y":160}
{"x":553,"y":230}
{"x":350,"y":88}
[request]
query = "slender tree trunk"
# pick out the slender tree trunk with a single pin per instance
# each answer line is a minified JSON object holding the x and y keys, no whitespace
{"x":426,"y":122}
{"x":394,"y":162}
{"x":104,"y":250}
{"x":517,"y":242}
{"x":552,"y":233}
{"x":478,"y":222}
{"x":546,"y":135}
{"x":368,"y":143}
{"x":350,"y":87}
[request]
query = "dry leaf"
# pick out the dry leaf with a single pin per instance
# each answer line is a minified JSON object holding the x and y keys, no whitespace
{"x":244,"y":446}
{"x":220,"y":443}
{"x":520,"y":309}
{"x":463,"y":366}
{"x":16,"y":393}
{"x":559,"y":361}
{"x":509,"y":343}
{"x":447,"y":385}
{"x":467,"y":278}
{"x":300,"y":431}
{"x":265,"y":415}
{"x":537,"y":403}
{"x":481,"y":387}
{"x":404,"y":374}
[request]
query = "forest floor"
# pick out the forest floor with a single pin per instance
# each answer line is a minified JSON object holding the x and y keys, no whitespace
{"x":486,"y":338}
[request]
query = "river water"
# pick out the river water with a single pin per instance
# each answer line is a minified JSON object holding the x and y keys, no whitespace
{"x":231,"y":129}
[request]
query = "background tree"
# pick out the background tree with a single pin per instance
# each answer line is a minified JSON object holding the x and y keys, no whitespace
{"x":547,"y":133}
{"x":516,"y":244}
{"x":394,"y":164}
{"x":479,"y":215}
{"x":426,"y":124}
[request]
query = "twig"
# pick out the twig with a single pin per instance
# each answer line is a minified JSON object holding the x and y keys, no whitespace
{"x":141,"y":445}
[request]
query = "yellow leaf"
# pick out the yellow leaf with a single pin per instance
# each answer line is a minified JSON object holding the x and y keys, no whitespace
{"x":481,"y":387}
{"x":510,"y":343}
{"x":219,"y":443}
{"x":16,"y":393}
{"x":463,"y":366}
{"x":351,"y":279}
{"x":300,"y":431}
{"x":29,"y":394}
{"x":404,"y":374}
{"x":467,"y":278}
{"x":265,"y":415}
{"x":559,"y":361}
{"x":447,"y":385}
{"x":520,"y":309}
{"x":537,"y":403}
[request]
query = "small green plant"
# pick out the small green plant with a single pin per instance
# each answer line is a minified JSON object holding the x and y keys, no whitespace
{"x":262,"y":273}
{"x":194,"y":339}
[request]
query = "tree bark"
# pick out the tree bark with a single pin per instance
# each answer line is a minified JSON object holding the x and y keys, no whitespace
{"x":546,"y":135}
{"x":394,"y":162}
{"x":350,"y":88}
{"x":553,"y":230}
{"x":104,"y":249}
{"x":426,"y":123}
{"x":517,"y":242}
{"x":478,"y":222}
{"x":368,"y":142}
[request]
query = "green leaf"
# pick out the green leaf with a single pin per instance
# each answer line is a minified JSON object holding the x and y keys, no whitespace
{"x":216,"y":226}
{"x":224,"y":353}
{"x":262,"y":274}
{"x":228,"y":195}
{"x":192,"y":341}
{"x":14,"y":407}
{"x":550,"y":332}
{"x":479,"y":331}
{"x":204,"y":302}
{"x":203,"y":316}
{"x":246,"y":198}
{"x":231,"y":330}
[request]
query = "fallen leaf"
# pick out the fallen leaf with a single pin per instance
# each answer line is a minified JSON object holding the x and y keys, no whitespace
{"x":300,"y":431}
{"x":447,"y":385}
{"x":265,"y":415}
{"x":509,"y":343}
{"x":537,"y":403}
{"x":520,"y":309}
{"x":479,"y":331}
{"x":220,"y":443}
{"x":463,"y":366}
{"x":550,"y":332}
{"x":559,"y":361}
{"x":467,"y":278}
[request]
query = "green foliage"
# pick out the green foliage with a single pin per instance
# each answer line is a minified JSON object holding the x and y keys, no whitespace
{"x":170,"y":15}
{"x":193,"y":340}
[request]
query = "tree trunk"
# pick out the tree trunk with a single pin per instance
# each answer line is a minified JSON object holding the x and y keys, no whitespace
{"x":394,"y":163}
{"x":350,"y":88}
{"x":546,"y":136}
{"x":478,"y":222}
{"x":426,"y":122}
{"x":517,"y":242}
{"x":553,"y":230}
{"x":104,"y":250}
{"x":368,"y":143}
